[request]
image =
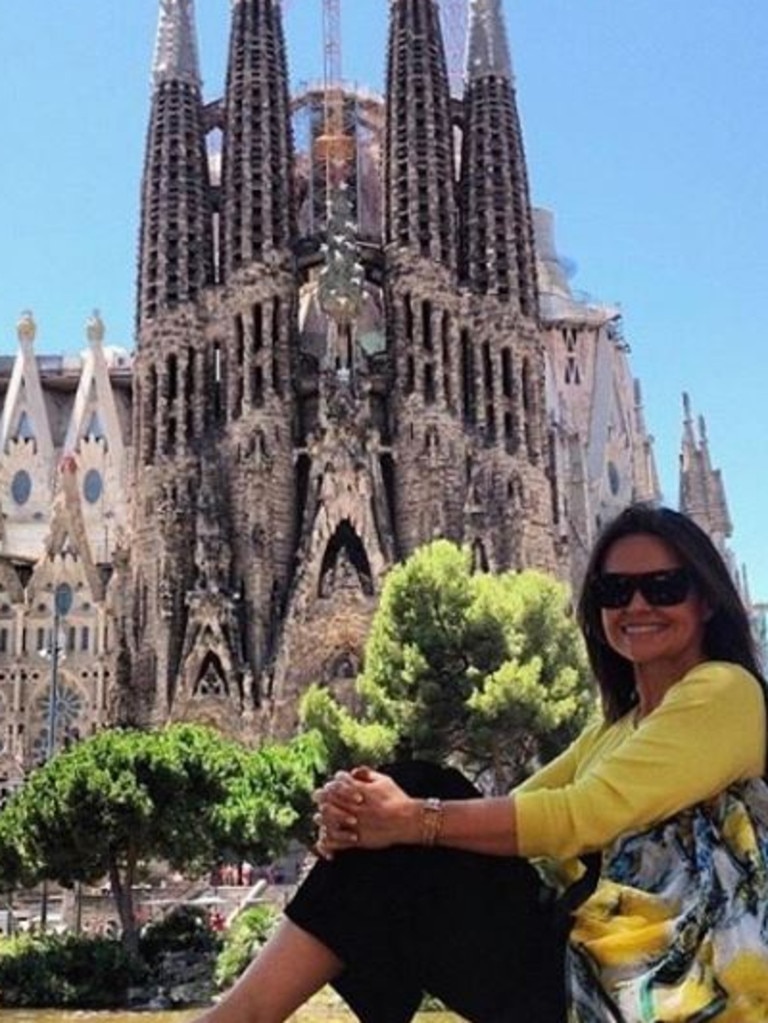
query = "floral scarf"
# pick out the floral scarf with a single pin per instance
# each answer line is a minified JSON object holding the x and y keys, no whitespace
{"x":677,"y":930}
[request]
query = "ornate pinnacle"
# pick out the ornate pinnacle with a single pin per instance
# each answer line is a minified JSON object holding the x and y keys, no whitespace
{"x":176,"y":47}
{"x":488,"y":51}
{"x":26,"y":328}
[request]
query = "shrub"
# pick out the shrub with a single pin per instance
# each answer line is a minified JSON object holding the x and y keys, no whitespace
{"x":184,"y":929}
{"x":247,"y":933}
{"x":63,"y":971}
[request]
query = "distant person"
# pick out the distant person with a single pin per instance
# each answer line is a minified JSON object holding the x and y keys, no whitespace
{"x":424,"y":885}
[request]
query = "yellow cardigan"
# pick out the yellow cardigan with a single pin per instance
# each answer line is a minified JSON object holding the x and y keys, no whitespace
{"x":708,"y":733}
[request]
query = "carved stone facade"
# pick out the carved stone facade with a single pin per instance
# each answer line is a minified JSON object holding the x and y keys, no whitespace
{"x":64,"y":487}
{"x":311,"y":398}
{"x":601,"y":450}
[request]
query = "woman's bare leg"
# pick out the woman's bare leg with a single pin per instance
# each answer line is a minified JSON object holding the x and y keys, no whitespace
{"x":290,"y":968}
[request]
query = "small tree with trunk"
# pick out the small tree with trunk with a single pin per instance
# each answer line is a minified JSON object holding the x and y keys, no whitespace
{"x":182,"y":794}
{"x":487,"y":672}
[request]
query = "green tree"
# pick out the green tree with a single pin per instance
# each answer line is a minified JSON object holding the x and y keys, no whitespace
{"x":181,"y":794}
{"x":484,"y":671}
{"x":347,"y":738}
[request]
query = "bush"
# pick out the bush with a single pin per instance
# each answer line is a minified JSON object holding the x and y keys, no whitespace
{"x":64,"y":971}
{"x":184,"y":929}
{"x":247,"y":933}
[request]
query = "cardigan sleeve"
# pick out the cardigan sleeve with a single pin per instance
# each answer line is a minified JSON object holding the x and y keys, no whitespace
{"x":708,"y":732}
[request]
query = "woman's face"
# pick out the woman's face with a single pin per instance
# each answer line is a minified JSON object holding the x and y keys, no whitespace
{"x":662,"y":631}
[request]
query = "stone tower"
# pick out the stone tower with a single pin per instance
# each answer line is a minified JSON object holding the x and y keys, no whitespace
{"x":509,"y":500}
{"x":213,"y":410}
{"x":469,"y":438}
{"x":702,"y":491}
{"x":309,"y":409}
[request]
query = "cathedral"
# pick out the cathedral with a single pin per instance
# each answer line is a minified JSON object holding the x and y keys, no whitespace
{"x":354,"y":334}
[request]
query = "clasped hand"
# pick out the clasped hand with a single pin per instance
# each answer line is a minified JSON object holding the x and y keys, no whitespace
{"x":362,"y":809}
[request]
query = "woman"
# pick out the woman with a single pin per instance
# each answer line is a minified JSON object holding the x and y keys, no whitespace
{"x":667,"y":787}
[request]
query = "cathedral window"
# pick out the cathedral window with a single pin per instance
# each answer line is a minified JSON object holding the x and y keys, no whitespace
{"x":21,"y":487}
{"x":93,"y":486}
{"x":408,"y":310}
{"x":509,"y":432}
{"x":426,"y":326}
{"x":276,"y":325}
{"x":170,"y":435}
{"x":239,"y":339}
{"x":258,"y":326}
{"x":237,"y":376}
{"x":487,"y":370}
{"x":572,"y":374}
{"x":85,"y":638}
{"x":3,"y":641}
{"x":553,"y":477}
{"x":189,"y":393}
{"x":479,"y":557}
{"x":507,"y":386}
{"x":430,"y":394}
{"x":410,"y":375}
{"x":527,"y":387}
{"x":257,"y":386}
{"x":468,"y":379}
{"x":614,"y":478}
{"x":345,"y":564}
{"x":171,"y":389}
{"x":219,"y":403}
{"x":212,"y":679}
{"x":530,"y":410}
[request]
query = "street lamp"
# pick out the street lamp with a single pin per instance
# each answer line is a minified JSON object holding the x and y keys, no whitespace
{"x":62,"y":603}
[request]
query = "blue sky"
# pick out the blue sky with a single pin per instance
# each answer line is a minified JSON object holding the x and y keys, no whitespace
{"x":646,"y":128}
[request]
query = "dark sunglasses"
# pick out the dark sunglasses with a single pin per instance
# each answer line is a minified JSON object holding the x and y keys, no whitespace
{"x":659,"y":589}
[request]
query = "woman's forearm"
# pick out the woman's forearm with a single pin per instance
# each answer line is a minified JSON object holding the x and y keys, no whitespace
{"x":476,"y":825}
{"x":368,"y":810}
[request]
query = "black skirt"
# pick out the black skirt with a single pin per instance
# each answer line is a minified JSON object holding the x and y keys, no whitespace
{"x":481,"y":933}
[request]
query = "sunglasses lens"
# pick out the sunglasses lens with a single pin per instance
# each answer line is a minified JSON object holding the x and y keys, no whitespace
{"x":659,"y":589}
{"x":665,"y":589}
{"x":614,"y":590}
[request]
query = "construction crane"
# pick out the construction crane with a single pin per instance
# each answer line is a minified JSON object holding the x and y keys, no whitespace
{"x":454,"y":19}
{"x":341,"y":280}
{"x":334,"y":147}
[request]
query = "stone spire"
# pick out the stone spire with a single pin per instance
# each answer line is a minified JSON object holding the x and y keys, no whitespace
{"x":419,"y":191}
{"x":497,"y":251}
{"x":647,"y":487}
{"x":487,"y":52}
{"x":258,"y":208}
{"x":702,"y":492}
{"x":176,"y":246}
{"x":176,"y":48}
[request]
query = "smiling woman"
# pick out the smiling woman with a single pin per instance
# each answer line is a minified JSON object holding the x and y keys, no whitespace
{"x":424,"y":884}
{"x":652,"y":614}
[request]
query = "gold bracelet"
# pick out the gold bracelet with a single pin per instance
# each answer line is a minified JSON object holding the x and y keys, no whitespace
{"x":431,"y":821}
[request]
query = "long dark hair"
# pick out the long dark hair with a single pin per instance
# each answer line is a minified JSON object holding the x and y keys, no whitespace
{"x":727,"y":633}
